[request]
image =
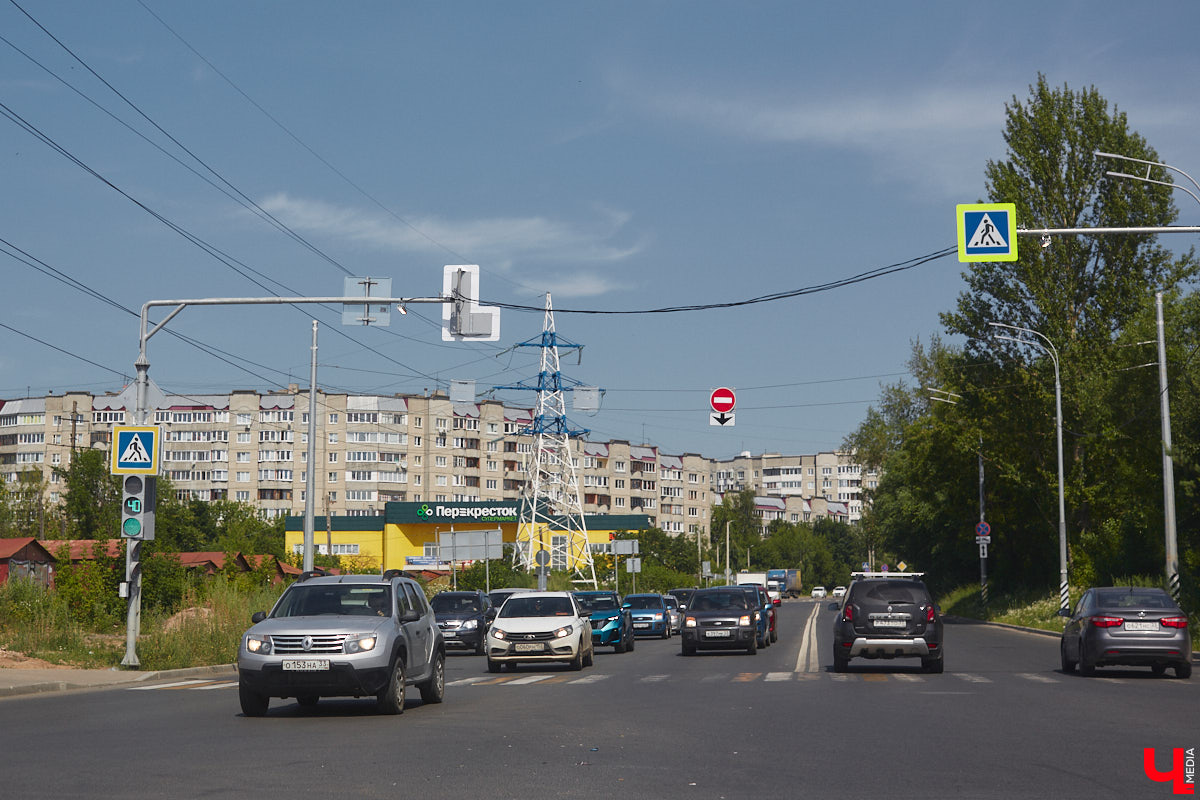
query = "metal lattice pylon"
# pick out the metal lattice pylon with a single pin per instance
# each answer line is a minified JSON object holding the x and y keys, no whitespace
{"x":552,"y":516}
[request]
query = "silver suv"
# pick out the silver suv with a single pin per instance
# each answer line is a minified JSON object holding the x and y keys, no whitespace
{"x":343,"y":636}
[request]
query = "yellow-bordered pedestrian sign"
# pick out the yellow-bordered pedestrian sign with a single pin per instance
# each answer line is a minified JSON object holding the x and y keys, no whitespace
{"x":987,"y":232}
{"x":135,"y":449}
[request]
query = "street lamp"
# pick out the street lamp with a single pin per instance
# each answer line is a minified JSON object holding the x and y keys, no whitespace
{"x":1064,"y":600}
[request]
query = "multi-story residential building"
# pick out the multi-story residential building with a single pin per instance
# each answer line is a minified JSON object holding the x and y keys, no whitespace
{"x":252,"y":447}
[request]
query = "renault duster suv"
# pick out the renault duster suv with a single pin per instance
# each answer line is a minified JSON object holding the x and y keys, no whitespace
{"x":343,"y":636}
{"x":888,"y":615}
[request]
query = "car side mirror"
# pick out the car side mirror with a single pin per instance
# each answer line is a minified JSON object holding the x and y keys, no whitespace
{"x":489,"y":615}
{"x":626,"y":605}
{"x":1064,"y":612}
{"x":411,"y":615}
{"x":258,"y":616}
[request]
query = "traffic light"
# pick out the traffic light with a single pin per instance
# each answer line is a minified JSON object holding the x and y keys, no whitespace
{"x":137,"y":507}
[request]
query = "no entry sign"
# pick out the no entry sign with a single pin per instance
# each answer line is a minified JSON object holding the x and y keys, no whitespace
{"x":722,"y":400}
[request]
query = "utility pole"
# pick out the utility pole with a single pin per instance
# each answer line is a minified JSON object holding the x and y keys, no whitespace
{"x":1172,"y":545}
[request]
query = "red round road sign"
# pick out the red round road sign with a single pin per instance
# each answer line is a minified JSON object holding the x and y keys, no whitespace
{"x":722,"y":400}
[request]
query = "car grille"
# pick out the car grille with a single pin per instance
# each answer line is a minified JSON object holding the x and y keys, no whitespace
{"x":294,"y":643}
{"x":531,"y":637}
{"x":450,"y":624}
{"x":599,"y":623}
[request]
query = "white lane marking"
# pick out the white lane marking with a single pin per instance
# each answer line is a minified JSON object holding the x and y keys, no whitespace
{"x":1033,"y":676}
{"x":215,"y":686}
{"x":166,"y":685}
{"x":840,"y":676}
{"x":779,"y":676}
{"x":904,"y":676}
{"x":806,"y":659}
{"x":527,"y":679}
{"x":966,"y":676}
{"x":588,"y":679}
{"x":654,"y":678}
{"x":466,"y":681}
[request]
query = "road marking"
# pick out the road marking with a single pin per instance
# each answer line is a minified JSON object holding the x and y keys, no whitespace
{"x":874,"y":678}
{"x":966,"y":676}
{"x":719,"y":676}
{"x":1033,"y":676}
{"x":779,"y":676}
{"x":840,"y":676}
{"x":557,"y":678}
{"x":746,"y":677}
{"x":588,"y":679}
{"x":175,"y":685}
{"x":654,"y":678}
{"x":466,"y":681}
{"x":528,"y":679}
{"x":494,"y":681}
{"x":806,"y":659}
{"x":229,"y":685}
{"x":904,"y":676}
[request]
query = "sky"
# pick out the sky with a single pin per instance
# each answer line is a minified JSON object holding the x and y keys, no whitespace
{"x":620,"y":157}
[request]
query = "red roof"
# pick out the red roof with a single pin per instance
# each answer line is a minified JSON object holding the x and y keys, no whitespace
{"x":83,"y":549}
{"x":9,"y":547}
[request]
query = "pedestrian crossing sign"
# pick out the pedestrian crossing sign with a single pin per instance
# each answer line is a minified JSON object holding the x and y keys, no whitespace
{"x":987,"y":232}
{"x":135,"y":449}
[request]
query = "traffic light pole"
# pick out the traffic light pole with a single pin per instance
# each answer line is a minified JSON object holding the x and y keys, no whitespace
{"x":462,"y":324}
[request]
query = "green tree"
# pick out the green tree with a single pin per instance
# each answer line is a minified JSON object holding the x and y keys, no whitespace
{"x":92,"y":501}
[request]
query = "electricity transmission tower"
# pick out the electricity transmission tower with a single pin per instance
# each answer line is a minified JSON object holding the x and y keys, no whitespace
{"x":551,"y":505}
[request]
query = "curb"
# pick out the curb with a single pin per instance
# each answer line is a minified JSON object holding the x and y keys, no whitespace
{"x":101,"y":679}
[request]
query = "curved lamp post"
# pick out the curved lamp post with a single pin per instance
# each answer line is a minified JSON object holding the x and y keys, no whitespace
{"x":1064,"y":599}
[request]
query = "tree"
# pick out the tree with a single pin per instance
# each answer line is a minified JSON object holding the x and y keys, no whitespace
{"x":92,"y":501}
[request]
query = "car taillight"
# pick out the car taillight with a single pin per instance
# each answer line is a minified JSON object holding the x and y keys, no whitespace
{"x":1174,"y":622}
{"x":848,"y":613}
{"x":929,"y":614}
{"x":1106,"y":622}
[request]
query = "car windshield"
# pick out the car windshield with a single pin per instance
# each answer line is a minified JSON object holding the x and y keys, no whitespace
{"x":644,"y":602}
{"x":455,"y":603}
{"x":520,"y":606}
{"x":594,"y":603}
{"x":1126,"y":598}
{"x":718,"y":601}
{"x":337,"y":598}
{"x":671,"y":602}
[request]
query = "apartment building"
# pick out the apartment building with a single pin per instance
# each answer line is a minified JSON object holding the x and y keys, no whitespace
{"x":252,"y":447}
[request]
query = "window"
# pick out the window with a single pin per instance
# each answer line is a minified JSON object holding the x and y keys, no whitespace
{"x":332,"y":477}
{"x":243,"y":477}
{"x":333,"y":458}
{"x":333,"y":438}
{"x":242,"y":496}
{"x":333,"y":419}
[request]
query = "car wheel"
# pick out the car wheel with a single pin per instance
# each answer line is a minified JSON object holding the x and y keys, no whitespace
{"x":577,"y":661}
{"x":774,"y":636}
{"x":1158,"y":669}
{"x":666,"y":634}
{"x":590,"y":658}
{"x":254,"y":704}
{"x":840,"y":663}
{"x":630,"y":643}
{"x":1183,"y":670}
{"x":619,"y":645}
{"x":391,"y":699}
{"x":1087,"y":667}
{"x":493,"y":666}
{"x":481,"y":648}
{"x":434,"y":689}
{"x":689,"y":649}
{"x":308,"y":700}
{"x":934,"y":666}
{"x":1068,"y":666}
{"x":752,"y":648}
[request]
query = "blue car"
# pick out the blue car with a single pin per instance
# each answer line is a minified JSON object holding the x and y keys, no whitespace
{"x":650,"y":615}
{"x":611,"y":625}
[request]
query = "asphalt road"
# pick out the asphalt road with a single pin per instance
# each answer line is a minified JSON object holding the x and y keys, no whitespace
{"x":1001,"y":722}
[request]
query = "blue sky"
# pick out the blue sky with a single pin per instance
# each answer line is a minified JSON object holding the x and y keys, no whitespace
{"x":622,"y":156}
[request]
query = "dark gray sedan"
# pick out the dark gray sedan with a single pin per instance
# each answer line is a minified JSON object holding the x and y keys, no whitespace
{"x":1127,"y":626}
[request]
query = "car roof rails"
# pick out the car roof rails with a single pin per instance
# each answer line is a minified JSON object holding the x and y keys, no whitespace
{"x":312,"y":573}
{"x":887,"y":574}
{"x":397,"y":573}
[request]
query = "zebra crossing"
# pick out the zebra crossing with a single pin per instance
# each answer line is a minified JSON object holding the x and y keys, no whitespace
{"x":574,"y":679}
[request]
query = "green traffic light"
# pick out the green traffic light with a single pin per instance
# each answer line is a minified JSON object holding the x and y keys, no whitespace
{"x":131,"y":527}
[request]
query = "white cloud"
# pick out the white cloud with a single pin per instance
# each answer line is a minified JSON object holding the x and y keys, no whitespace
{"x":492,"y":239}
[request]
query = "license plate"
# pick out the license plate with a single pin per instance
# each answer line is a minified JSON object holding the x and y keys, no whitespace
{"x":1140,"y":626}
{"x":641,"y":624}
{"x":889,"y":623}
{"x":717,"y":634}
{"x":306,"y":665}
{"x":528,"y":647}
{"x":449,"y":634}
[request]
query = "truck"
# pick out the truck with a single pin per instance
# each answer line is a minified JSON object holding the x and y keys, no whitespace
{"x":758,"y":578}
{"x":784,"y":581}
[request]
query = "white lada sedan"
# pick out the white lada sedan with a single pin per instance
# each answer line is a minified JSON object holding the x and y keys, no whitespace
{"x":540,"y":626}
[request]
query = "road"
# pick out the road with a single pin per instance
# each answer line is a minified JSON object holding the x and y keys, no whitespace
{"x":1002,"y":722}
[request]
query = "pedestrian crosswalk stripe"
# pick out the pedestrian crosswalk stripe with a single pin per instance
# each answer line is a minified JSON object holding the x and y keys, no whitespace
{"x":654,"y":678}
{"x":966,"y":676}
{"x":528,"y":679}
{"x":466,"y":681}
{"x":908,"y":676}
{"x":588,"y":679}
{"x":1033,"y":676}
{"x":778,"y":676}
{"x":746,"y":677}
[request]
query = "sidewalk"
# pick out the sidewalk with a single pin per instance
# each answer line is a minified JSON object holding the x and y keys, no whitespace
{"x":16,"y":682}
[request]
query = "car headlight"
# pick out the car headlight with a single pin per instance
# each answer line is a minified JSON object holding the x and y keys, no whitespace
{"x":496,"y":633}
{"x":745,"y":620}
{"x":658,"y":616}
{"x":756,"y":616}
{"x":690,"y":622}
{"x":564,"y":631}
{"x":470,"y":625}
{"x":258,"y":644}
{"x":360,"y":643}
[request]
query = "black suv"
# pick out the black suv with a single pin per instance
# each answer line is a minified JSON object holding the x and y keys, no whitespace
{"x":887,"y":615}
{"x":463,"y":618}
{"x":343,"y":636}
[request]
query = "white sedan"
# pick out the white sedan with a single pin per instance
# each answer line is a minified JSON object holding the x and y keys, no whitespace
{"x":839,"y":591}
{"x":540,"y":626}
{"x":818,"y":591}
